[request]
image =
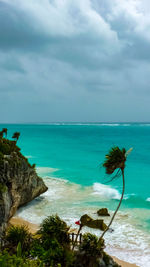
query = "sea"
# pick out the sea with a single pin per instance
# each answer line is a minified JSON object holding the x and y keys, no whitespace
{"x":69,"y":157}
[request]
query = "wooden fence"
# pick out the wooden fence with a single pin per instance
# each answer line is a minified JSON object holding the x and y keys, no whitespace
{"x":73,"y":238}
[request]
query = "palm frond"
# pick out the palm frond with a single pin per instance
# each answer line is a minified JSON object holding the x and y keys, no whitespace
{"x":114,"y":177}
{"x":115,"y":159}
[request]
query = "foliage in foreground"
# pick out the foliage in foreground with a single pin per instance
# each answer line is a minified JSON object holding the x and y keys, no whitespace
{"x":54,"y":246}
{"x":90,"y":251}
{"x":7,"y":260}
{"x":19,"y":234}
{"x":50,"y":246}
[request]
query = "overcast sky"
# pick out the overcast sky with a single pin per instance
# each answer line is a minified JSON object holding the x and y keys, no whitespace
{"x":74,"y":60}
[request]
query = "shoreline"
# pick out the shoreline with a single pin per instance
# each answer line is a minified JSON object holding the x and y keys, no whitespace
{"x":33,"y":228}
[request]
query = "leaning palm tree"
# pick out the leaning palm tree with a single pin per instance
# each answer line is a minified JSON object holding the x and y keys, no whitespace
{"x":5,"y":131}
{"x":16,"y":136}
{"x":115,"y":160}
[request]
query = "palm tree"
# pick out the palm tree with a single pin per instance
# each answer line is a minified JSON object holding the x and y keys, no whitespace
{"x":116,"y":159}
{"x":16,"y":136}
{"x":5,"y":131}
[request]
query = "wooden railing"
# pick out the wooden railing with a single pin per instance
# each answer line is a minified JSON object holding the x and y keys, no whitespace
{"x":73,"y":238}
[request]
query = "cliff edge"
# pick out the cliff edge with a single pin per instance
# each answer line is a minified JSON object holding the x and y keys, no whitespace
{"x":19,"y":182}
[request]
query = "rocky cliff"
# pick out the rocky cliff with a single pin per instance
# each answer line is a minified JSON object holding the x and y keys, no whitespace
{"x":19,"y":182}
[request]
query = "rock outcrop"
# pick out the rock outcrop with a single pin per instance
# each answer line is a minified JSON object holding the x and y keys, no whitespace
{"x":19,"y":182}
{"x":103,"y":212}
{"x":86,"y":220}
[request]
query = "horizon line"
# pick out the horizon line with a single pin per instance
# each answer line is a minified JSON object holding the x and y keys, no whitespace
{"x":80,"y":122}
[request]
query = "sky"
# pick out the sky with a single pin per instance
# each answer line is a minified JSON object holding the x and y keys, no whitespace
{"x":74,"y":61}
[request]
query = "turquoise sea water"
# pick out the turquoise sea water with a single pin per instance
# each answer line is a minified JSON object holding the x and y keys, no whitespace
{"x":69,"y":157}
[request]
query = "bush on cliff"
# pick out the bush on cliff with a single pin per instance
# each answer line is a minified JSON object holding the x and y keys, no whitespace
{"x":7,"y":147}
{"x":53,"y":244}
{"x":54,"y":228}
{"x":19,"y":234}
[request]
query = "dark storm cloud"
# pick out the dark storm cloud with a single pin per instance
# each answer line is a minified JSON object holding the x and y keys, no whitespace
{"x":74,"y":60}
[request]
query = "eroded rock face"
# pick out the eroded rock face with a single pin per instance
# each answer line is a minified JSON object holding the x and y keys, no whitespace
{"x":19,"y":184}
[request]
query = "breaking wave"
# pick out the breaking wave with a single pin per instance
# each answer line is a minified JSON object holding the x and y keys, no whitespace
{"x":106,"y":191}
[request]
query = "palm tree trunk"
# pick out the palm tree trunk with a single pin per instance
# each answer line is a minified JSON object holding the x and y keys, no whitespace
{"x":123,"y":189}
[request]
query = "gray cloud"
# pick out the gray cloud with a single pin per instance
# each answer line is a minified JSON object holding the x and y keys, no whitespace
{"x":74,"y":60}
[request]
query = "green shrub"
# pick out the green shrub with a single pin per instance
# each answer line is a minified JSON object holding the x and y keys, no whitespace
{"x":55,"y":254}
{"x":54,"y":228}
{"x":7,"y":260}
{"x":8,"y":146}
{"x":53,"y":247}
{"x":91,"y":246}
{"x":90,"y":251}
{"x":18,"y":234}
{"x":52,"y":255}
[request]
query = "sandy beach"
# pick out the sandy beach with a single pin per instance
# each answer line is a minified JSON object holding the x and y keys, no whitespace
{"x":34,"y":227}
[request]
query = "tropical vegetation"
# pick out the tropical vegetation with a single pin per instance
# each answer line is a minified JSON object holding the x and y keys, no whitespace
{"x":8,"y":147}
{"x":51,"y":246}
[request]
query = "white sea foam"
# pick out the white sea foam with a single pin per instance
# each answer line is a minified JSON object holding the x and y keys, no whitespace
{"x":106,"y":191}
{"x":148,"y":199}
{"x":110,"y":124}
{"x":29,"y":157}
{"x":70,"y":201}
{"x":129,"y":242}
{"x":45,"y":170}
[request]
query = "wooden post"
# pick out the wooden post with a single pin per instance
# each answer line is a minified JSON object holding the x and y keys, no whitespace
{"x":80,"y":238}
{"x":76,"y":237}
{"x":72,"y":238}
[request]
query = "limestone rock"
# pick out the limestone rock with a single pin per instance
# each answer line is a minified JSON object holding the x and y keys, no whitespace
{"x":89,"y":222}
{"x":19,"y":184}
{"x":103,"y":212}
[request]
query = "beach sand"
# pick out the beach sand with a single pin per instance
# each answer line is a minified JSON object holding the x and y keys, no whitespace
{"x":35,"y":227}
{"x":123,"y":263}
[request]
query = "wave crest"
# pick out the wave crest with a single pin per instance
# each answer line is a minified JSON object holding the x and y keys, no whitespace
{"x":106,"y":191}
